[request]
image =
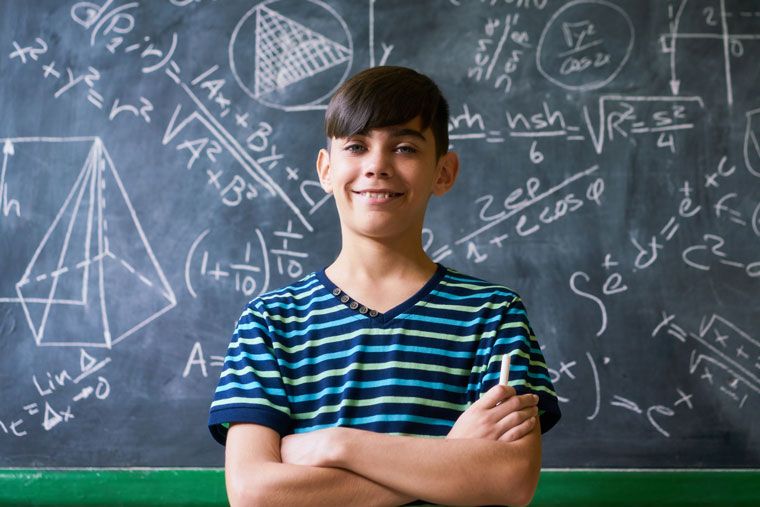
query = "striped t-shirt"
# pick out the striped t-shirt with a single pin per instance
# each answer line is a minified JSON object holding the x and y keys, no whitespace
{"x":308,"y":357}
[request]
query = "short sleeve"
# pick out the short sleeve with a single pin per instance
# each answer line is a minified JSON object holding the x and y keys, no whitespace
{"x":250,"y":389}
{"x":528,"y":372}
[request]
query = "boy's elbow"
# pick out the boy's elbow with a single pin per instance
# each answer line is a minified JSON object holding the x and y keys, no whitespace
{"x":239,"y":491}
{"x":523,"y":487}
{"x":524,"y":494}
{"x":524,"y":474}
{"x":248,"y":490}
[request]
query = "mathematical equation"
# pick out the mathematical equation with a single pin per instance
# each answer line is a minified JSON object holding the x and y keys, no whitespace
{"x":54,"y":403}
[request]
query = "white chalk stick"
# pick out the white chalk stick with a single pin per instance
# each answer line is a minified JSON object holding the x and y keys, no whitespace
{"x":504,"y":374}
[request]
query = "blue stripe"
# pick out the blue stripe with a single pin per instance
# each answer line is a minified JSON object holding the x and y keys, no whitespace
{"x":382,"y":418}
{"x":477,"y":295}
{"x":450,"y":322}
{"x":370,"y":349}
{"x":293,"y":306}
{"x":273,"y":391}
{"x":436,"y":386}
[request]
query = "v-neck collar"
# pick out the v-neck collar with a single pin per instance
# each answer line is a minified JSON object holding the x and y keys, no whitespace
{"x":383,"y":318}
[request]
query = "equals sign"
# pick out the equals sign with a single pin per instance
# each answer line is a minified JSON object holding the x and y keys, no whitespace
{"x":95,"y":98}
{"x":574,"y":137}
{"x":670,"y":228}
{"x":216,"y":361}
{"x":495,"y":137}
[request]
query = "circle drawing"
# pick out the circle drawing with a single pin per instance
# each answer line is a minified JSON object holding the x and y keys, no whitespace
{"x":282,"y":57}
{"x":585,"y":44}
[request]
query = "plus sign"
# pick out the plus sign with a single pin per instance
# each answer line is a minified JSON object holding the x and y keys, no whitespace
{"x":686,"y":189}
{"x":218,"y":273}
{"x":498,"y":239}
{"x":608,"y":262}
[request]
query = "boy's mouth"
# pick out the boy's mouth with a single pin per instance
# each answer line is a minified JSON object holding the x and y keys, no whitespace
{"x":379,"y":195}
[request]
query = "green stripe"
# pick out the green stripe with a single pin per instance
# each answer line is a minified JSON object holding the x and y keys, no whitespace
{"x":257,"y":402}
{"x":378,"y":332}
{"x":289,"y":294}
{"x":461,"y":308}
{"x":251,"y":369}
{"x":480,"y":288}
{"x":205,"y":488}
{"x":515,"y":352}
{"x":308,"y":316}
{"x":351,"y":402}
{"x":375,"y":366}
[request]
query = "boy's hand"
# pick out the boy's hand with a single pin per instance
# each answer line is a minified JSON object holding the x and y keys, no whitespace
{"x":500,"y":414}
{"x":309,"y":449}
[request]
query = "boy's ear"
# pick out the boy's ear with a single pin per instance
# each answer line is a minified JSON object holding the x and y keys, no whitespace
{"x":448,"y":169}
{"x":323,"y":170}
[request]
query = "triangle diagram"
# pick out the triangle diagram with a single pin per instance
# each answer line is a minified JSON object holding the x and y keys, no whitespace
{"x":288,"y":52}
{"x":93,"y":279}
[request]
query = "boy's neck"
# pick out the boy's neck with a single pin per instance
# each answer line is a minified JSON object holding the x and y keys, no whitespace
{"x":368,"y":261}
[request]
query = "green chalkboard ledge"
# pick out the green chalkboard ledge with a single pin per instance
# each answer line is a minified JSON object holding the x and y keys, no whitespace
{"x":202,"y":487}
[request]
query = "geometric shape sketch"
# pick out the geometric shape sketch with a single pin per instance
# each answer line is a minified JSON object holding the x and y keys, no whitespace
{"x":291,"y":54}
{"x":93,"y":279}
{"x":288,"y":52}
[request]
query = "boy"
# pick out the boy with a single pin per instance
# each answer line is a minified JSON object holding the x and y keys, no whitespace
{"x":332,"y":386}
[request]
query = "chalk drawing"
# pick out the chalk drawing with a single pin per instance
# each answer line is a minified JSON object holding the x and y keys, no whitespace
{"x":108,"y":278}
{"x":287,"y":52}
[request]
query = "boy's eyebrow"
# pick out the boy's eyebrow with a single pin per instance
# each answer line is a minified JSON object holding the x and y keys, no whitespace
{"x":407,"y":132}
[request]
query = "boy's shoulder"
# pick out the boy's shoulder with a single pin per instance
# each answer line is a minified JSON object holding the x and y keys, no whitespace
{"x":298,"y":291}
{"x":462,"y":283}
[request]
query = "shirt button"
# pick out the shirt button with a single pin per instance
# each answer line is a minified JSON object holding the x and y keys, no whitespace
{"x":363,"y":310}
{"x":373,"y":313}
{"x":344,"y":298}
{"x":336,"y":291}
{"x":354,"y":305}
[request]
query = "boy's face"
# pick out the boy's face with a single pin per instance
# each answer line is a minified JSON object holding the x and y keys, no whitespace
{"x":382,"y":179}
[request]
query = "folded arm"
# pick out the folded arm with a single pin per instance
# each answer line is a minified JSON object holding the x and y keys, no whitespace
{"x":491,"y":456}
{"x":256,"y":476}
{"x":448,"y":471}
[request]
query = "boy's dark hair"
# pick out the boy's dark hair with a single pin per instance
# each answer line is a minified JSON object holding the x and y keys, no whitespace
{"x":384,"y":96}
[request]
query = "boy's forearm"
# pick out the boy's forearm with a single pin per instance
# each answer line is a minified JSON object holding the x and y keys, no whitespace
{"x":280,"y":484}
{"x":449,"y":471}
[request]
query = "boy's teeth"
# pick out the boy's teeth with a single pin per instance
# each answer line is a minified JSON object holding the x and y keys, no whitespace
{"x":375,"y":195}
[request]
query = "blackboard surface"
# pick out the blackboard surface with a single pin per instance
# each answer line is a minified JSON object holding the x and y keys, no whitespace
{"x":157,"y":173}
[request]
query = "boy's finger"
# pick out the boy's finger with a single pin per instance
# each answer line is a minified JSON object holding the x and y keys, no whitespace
{"x":496,"y":395}
{"x":517,"y":402}
{"x":519,"y":431}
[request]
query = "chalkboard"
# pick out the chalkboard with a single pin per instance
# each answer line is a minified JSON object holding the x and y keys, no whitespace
{"x":158,"y":173}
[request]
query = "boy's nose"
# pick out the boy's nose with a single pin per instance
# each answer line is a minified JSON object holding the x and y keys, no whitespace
{"x":378,"y":166}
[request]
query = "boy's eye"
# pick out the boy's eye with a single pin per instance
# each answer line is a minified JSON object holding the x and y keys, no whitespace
{"x":406,"y":149}
{"x":354,"y":148}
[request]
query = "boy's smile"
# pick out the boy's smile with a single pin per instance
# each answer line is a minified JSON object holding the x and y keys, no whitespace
{"x":382,"y":179}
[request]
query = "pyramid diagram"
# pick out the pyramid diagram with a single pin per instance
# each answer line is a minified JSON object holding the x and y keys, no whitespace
{"x":288,"y":52}
{"x":93,"y":280}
